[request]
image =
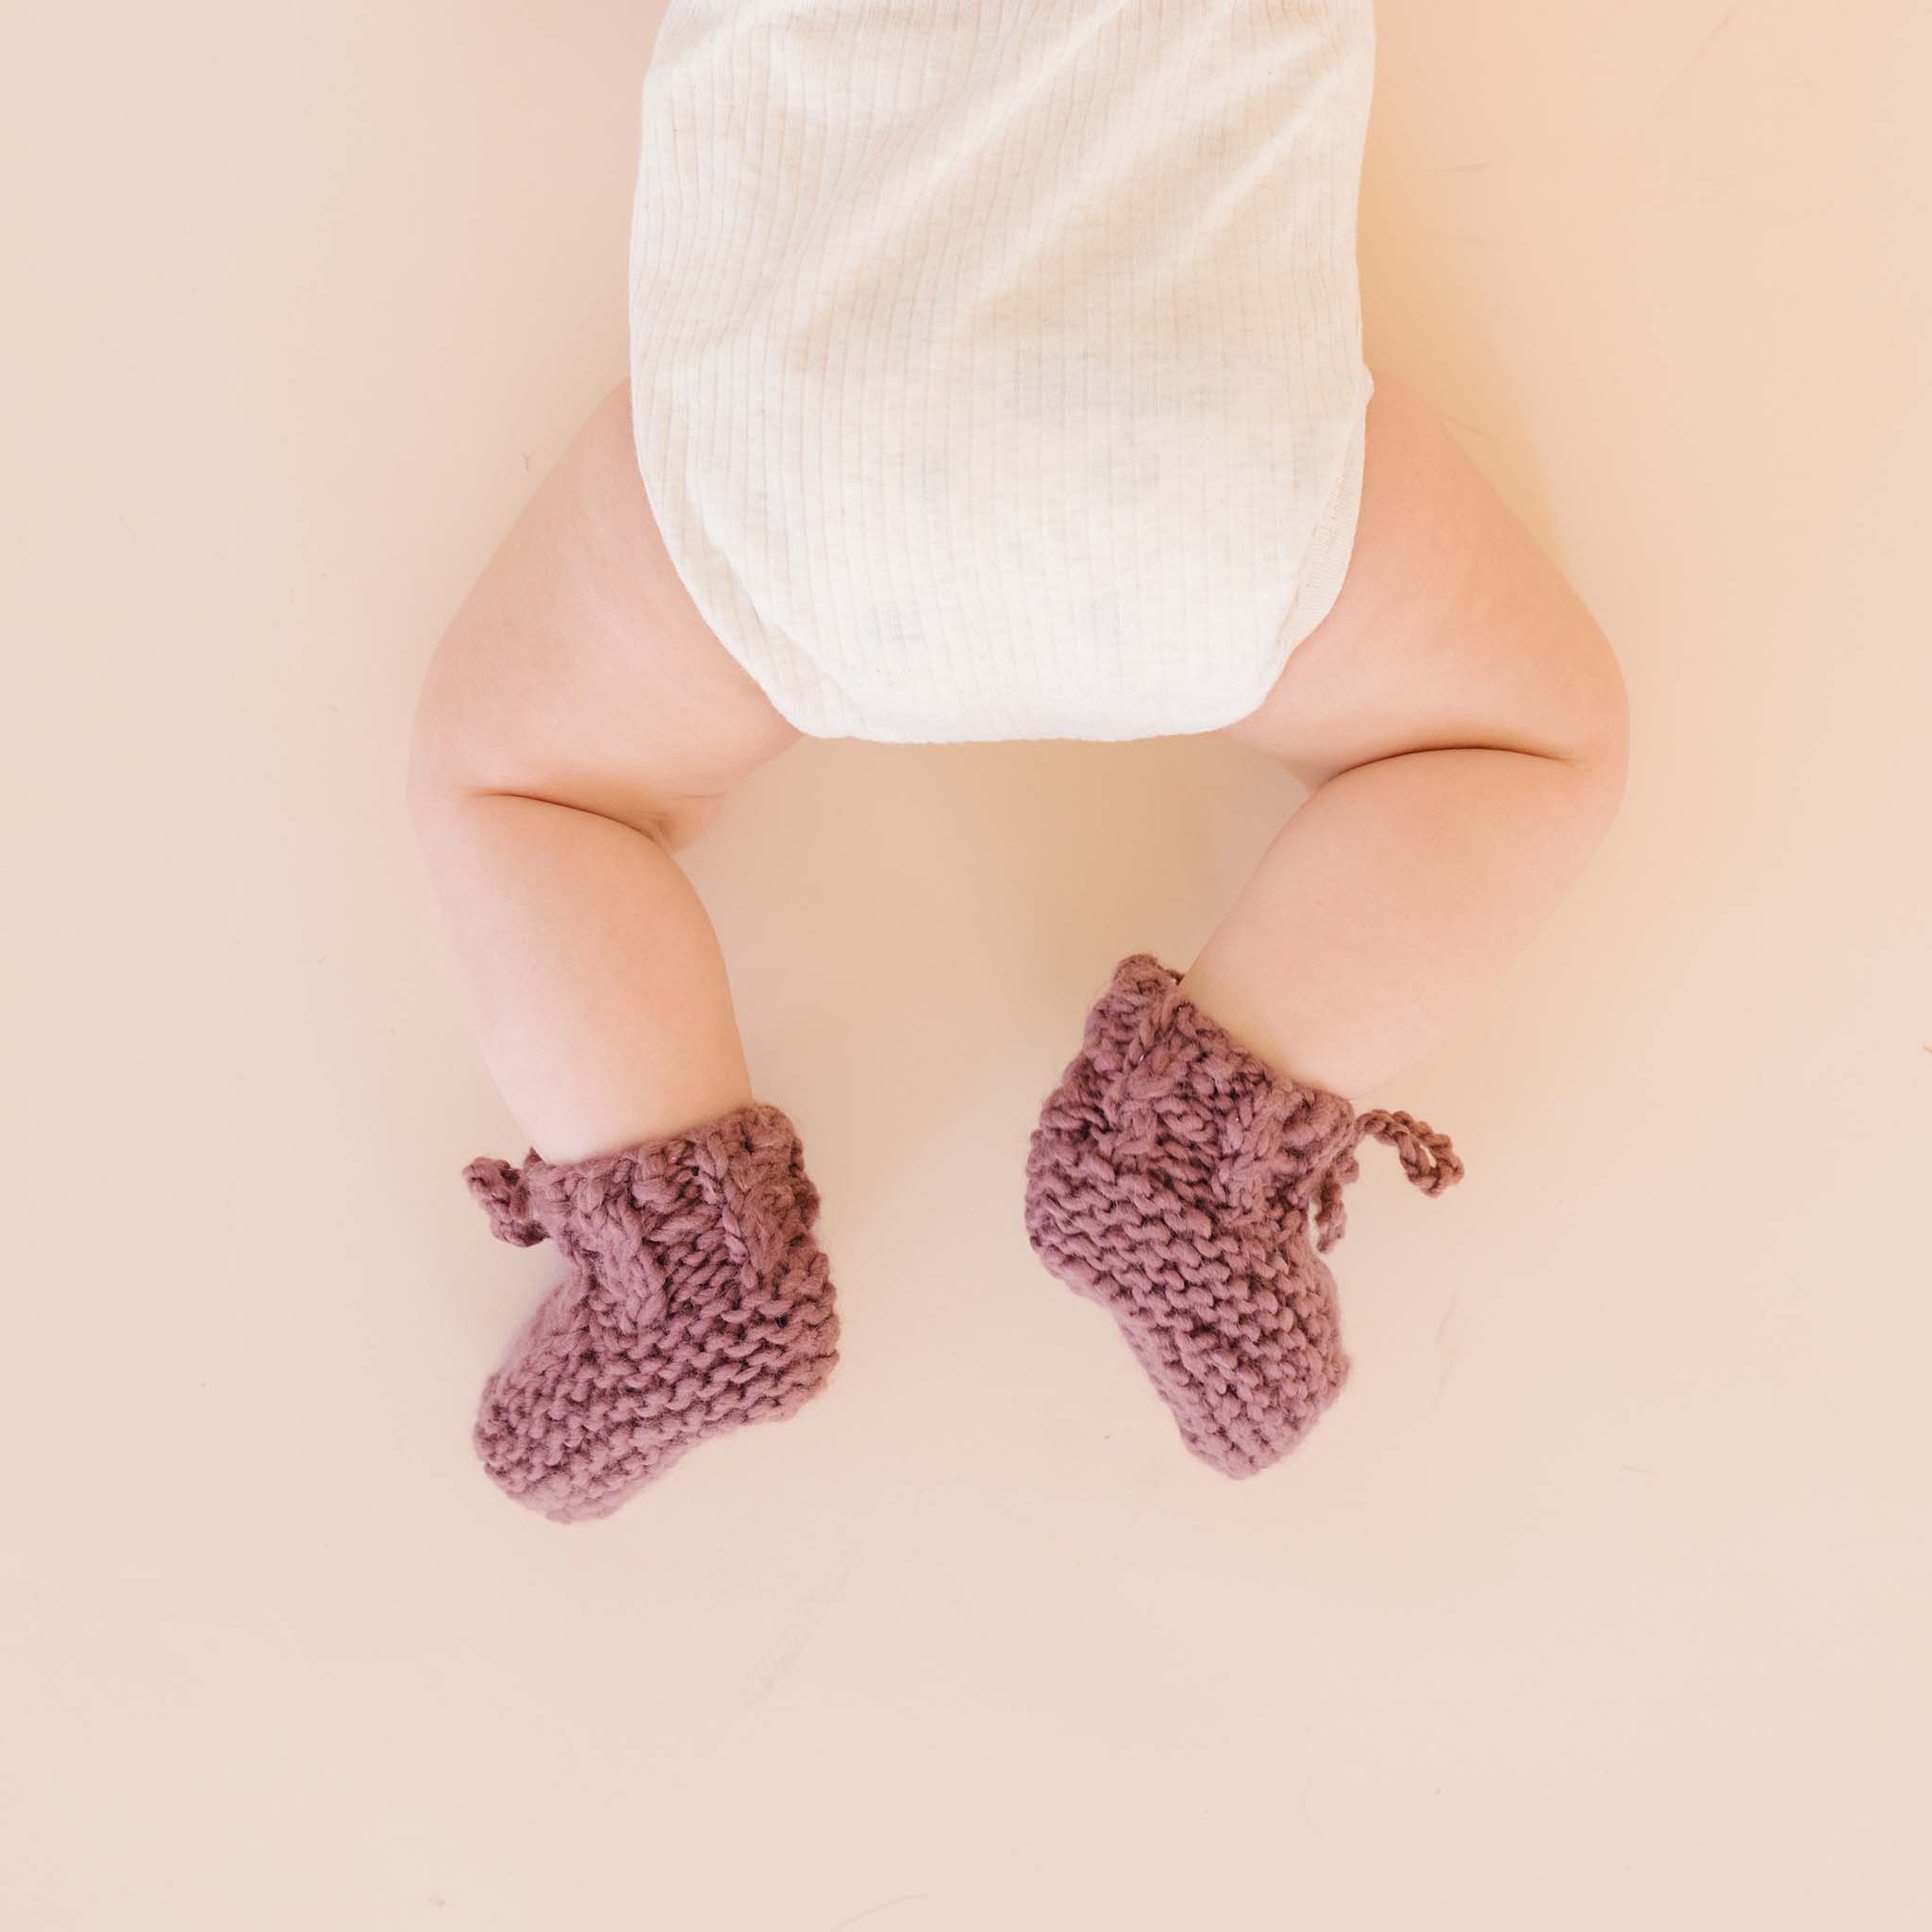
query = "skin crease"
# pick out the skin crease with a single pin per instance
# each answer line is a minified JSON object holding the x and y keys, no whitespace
{"x":1458,"y":717}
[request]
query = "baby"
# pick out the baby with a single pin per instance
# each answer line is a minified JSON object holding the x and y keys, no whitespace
{"x":996,"y":373}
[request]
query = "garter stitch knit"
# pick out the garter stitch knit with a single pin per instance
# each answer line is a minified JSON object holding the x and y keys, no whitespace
{"x":1173,"y":1178}
{"x":698,"y":1299}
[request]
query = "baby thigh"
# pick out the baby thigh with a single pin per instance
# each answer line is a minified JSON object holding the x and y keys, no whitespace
{"x":1452,"y":628}
{"x":578,"y":669}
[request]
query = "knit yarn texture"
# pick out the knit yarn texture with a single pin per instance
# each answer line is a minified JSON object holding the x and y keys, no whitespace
{"x":696,"y":1299}
{"x":1180,"y":1182}
{"x":996,"y":365}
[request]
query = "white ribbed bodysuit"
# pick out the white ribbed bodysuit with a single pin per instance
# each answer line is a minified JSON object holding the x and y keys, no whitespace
{"x":996,"y":364}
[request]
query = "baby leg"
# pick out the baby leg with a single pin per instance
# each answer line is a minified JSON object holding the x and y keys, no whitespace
{"x":578,"y":724}
{"x":1462,"y":723}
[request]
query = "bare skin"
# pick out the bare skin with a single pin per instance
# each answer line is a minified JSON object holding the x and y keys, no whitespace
{"x":580,"y":723}
{"x":1459,"y":715}
{"x":1462,"y":723}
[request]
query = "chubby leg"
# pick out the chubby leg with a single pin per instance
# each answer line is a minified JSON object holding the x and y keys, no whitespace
{"x":1462,"y":723}
{"x":578,"y":724}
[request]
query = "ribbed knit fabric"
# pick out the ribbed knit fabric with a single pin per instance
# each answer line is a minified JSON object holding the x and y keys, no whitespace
{"x":1172,"y":1178}
{"x":996,"y":364}
{"x":696,"y":1299}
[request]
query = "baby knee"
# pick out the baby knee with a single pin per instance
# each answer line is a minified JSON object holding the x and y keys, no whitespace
{"x":1599,"y":707}
{"x":470,"y":744}
{"x":446,"y":755}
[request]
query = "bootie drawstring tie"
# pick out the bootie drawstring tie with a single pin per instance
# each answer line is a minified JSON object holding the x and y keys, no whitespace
{"x":1429,"y":1163}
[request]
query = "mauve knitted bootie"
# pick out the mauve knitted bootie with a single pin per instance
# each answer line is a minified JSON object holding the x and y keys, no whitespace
{"x":1172,"y":1178}
{"x":696,"y":1300}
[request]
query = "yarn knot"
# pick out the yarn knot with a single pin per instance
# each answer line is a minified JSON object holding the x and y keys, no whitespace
{"x":504,"y":1193}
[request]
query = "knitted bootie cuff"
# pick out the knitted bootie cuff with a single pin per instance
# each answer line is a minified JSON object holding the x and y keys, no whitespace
{"x":1174,"y":1178}
{"x":696,"y":1299}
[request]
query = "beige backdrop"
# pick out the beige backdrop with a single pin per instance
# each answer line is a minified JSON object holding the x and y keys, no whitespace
{"x":1600,"y":1600}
